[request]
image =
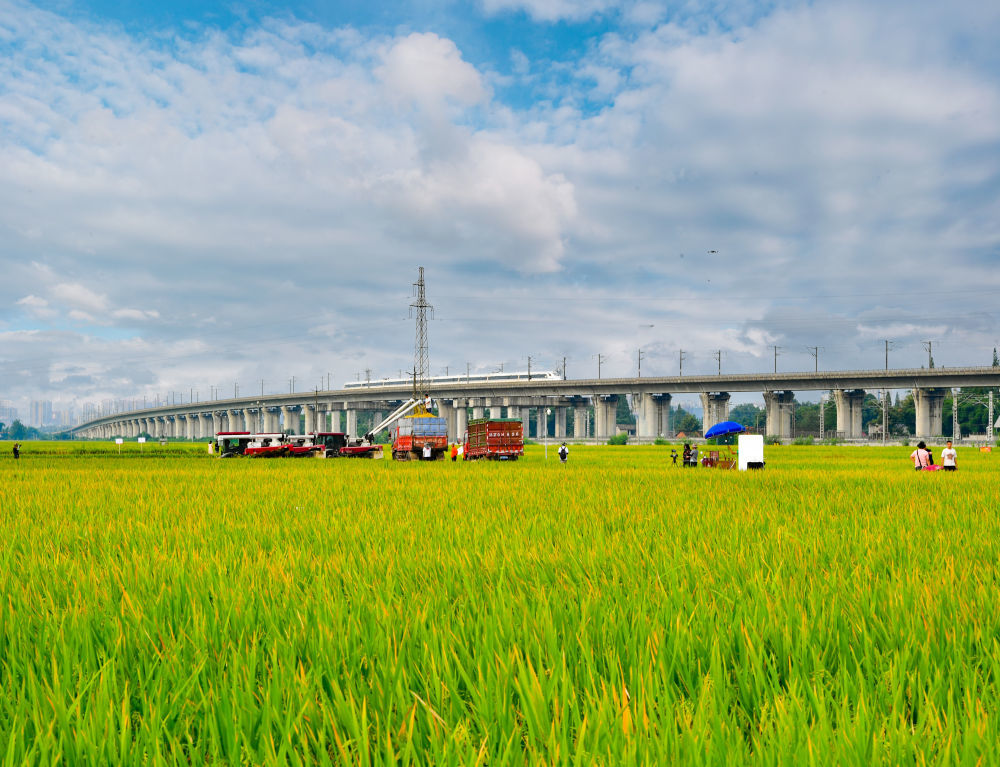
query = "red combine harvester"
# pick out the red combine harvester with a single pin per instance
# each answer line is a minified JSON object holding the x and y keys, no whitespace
{"x":231,"y":444}
{"x":496,"y":439}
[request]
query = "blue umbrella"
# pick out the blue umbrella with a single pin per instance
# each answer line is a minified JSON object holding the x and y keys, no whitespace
{"x":723,"y":429}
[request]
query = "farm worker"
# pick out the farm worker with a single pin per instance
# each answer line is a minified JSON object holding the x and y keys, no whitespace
{"x":694,"y":455}
{"x":454,"y":451}
{"x":687,"y":454}
{"x":17,"y":450}
{"x":948,"y":457}
{"x":563,"y":453}
{"x":427,"y":452}
{"x":921,"y":457}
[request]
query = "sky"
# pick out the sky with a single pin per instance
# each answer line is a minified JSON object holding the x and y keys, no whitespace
{"x":201,"y":197}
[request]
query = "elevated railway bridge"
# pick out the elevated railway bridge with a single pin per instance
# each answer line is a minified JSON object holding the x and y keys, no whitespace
{"x":457,"y":401}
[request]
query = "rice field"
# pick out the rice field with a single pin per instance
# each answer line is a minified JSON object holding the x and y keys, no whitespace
{"x":165,"y":607}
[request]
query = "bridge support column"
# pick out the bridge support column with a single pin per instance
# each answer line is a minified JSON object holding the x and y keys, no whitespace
{"x":652,"y":416}
{"x":849,"y":409}
{"x":352,"y":424}
{"x":779,"y":413}
{"x":581,"y":415}
{"x":560,"y":424}
{"x":461,"y":418}
{"x":524,"y":413}
{"x":335,"y":425}
{"x":477,"y":408}
{"x":605,"y":415}
{"x":715,"y":409}
{"x":541,"y":422}
{"x":310,"y":419}
{"x":929,"y":404}
{"x":446,"y":410}
{"x":216,"y":423}
{"x":289,"y":419}
{"x":495,"y":410}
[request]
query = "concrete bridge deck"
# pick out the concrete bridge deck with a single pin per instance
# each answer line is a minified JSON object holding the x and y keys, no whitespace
{"x":321,"y":410}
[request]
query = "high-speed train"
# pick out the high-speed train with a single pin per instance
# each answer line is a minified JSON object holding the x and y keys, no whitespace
{"x":498,"y":377}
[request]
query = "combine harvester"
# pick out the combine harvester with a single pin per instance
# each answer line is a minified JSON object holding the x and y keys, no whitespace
{"x":231,"y":444}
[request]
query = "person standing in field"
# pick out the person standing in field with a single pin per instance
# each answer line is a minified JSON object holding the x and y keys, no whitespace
{"x":17,"y":450}
{"x":454,"y":452}
{"x":920,"y":457}
{"x":949,"y":457}
{"x":563,"y":453}
{"x":686,"y":457}
{"x":694,"y":456}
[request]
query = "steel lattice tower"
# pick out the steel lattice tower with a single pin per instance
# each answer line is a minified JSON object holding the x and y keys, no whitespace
{"x":421,"y":359}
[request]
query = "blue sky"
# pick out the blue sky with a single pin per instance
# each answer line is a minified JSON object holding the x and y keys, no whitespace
{"x":197,"y":194}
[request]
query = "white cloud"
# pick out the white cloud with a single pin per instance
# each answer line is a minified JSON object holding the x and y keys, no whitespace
{"x":79,"y":297}
{"x":430,"y":71}
{"x":37,"y":307}
{"x":216,"y":190}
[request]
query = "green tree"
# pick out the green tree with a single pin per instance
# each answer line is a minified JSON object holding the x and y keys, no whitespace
{"x":747,"y":414}
{"x":19,"y":431}
{"x":623,"y":416}
{"x":684,"y":421}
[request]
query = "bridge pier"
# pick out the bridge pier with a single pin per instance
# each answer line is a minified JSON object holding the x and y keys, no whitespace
{"x":605,"y":415}
{"x":560,"y":424}
{"x":524,"y":413}
{"x":352,"y":423}
{"x":779,"y":413}
{"x":715,"y":409}
{"x":581,"y":415}
{"x":849,"y":411}
{"x":541,"y":422}
{"x":446,"y":410}
{"x":461,"y":417}
{"x":929,"y":406}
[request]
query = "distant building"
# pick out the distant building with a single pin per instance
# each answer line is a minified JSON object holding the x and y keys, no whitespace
{"x":40,"y":413}
{"x":8,"y":414}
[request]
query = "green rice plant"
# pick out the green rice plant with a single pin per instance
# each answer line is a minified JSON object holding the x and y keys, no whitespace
{"x":166,"y":607}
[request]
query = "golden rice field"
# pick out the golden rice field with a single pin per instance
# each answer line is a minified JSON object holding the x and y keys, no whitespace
{"x":171,"y":608}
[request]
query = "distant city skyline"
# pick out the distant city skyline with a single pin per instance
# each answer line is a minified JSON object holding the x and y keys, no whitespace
{"x":196,"y":197}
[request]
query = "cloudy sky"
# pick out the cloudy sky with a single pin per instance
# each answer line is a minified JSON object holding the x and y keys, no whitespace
{"x":194,"y":195}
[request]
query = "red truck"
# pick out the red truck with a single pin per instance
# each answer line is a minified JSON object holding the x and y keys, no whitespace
{"x":413,"y":433}
{"x":497,"y":439}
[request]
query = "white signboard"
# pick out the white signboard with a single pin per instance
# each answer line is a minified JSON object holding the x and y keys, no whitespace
{"x":751,"y":449}
{"x":141,"y":440}
{"x":118,"y":440}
